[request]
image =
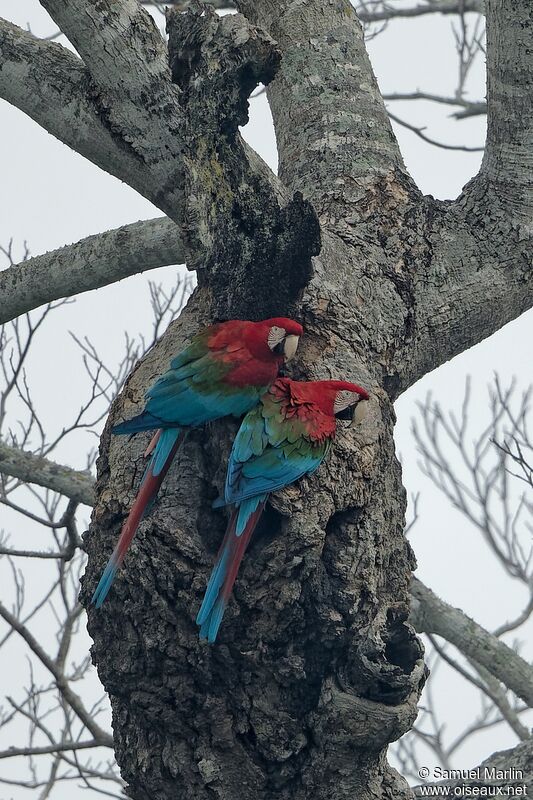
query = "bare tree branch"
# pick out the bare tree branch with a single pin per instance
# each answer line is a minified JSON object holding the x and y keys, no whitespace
{"x":62,"y":683}
{"x":420,"y":133}
{"x":183,"y":5}
{"x":498,"y":696}
{"x":518,"y":621}
{"x":89,"y":264}
{"x":366,"y":13}
{"x":51,"y":748}
{"x":322,"y":129}
{"x":470,"y":108}
{"x":478,"y":483}
{"x":488,"y":685}
{"x":114,"y":128}
{"x":432,"y":615}
{"x":36,"y":469}
{"x":469,"y":44}
{"x":143,"y":107}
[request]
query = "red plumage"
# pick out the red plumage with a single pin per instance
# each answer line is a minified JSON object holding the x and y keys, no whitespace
{"x":237,"y":340}
{"x":320,"y":393}
{"x":147,"y":492}
{"x":286,"y":436}
{"x":149,"y":488}
{"x":313,"y":403}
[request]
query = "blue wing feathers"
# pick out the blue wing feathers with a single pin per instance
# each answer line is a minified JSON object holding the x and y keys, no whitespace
{"x":142,"y":422}
{"x":268,"y":473}
{"x":190,"y":407}
{"x":190,"y":394}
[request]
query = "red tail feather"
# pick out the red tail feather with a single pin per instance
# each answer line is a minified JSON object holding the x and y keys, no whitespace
{"x":147,"y":491}
{"x":224,"y":573}
{"x":239,"y":545}
{"x":153,"y":443}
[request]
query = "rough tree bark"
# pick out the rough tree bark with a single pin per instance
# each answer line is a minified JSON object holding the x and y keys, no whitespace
{"x":317,"y":668}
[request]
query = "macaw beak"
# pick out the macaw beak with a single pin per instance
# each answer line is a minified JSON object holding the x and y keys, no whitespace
{"x":291,"y":346}
{"x":360,"y":412}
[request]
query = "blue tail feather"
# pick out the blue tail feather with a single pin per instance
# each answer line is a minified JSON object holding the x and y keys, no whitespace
{"x":211,"y":626}
{"x":165,"y":443}
{"x":211,"y":593}
{"x":142,"y":422}
{"x":219,"y":587}
{"x":104,"y":585}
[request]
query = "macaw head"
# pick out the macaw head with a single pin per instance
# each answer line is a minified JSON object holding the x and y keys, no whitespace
{"x":281,"y":336}
{"x":338,"y":399}
{"x":343,"y":400}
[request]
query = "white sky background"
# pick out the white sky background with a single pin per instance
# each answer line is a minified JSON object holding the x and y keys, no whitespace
{"x":51,"y":196}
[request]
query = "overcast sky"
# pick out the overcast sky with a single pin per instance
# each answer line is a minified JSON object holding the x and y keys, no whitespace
{"x":50,"y":196}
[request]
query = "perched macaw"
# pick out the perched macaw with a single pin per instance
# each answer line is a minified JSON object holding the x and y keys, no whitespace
{"x":283,"y":438}
{"x":224,"y":371}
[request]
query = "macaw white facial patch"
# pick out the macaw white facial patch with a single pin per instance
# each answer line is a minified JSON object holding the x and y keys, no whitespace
{"x":275,"y":336}
{"x":343,"y":399}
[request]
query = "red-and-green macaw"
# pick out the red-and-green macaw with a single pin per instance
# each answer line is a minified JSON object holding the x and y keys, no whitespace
{"x":224,"y":371}
{"x":286,"y":436}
